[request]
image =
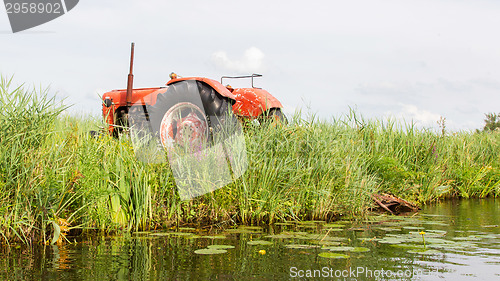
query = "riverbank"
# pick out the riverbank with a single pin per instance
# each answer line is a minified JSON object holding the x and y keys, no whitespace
{"x":56,"y":179}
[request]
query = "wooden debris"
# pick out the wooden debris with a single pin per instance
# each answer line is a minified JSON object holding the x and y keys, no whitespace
{"x":393,"y":204}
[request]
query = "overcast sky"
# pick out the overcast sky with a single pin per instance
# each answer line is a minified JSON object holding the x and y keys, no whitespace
{"x":416,"y":60}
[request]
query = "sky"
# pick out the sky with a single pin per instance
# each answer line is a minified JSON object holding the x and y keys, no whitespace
{"x":415,"y":61}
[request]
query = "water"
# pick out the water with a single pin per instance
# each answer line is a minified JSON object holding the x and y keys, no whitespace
{"x":462,"y":242}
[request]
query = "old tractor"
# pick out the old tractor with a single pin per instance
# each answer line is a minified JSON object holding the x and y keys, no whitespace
{"x":194,"y":124}
{"x":186,"y":108}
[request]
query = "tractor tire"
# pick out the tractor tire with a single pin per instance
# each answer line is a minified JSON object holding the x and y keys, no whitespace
{"x":274,"y":115}
{"x":202,"y":122}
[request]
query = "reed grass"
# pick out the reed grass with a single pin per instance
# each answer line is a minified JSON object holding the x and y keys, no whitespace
{"x":57,"y":179}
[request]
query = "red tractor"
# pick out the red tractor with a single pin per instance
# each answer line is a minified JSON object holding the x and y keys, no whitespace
{"x":187,"y":109}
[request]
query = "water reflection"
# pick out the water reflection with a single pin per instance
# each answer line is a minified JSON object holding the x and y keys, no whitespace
{"x":464,"y":235}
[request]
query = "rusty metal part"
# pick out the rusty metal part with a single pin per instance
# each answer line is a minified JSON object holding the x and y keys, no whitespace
{"x":252,"y":102}
{"x":130,"y":81}
{"x":143,"y":96}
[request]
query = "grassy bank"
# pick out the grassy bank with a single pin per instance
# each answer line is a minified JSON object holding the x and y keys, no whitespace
{"x":55,"y":178}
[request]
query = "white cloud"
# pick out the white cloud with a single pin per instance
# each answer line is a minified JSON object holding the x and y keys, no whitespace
{"x":411,"y":113}
{"x":251,"y":62}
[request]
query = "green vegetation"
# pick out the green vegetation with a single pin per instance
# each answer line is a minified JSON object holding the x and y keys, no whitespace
{"x":56,"y":179}
{"x":492,"y":121}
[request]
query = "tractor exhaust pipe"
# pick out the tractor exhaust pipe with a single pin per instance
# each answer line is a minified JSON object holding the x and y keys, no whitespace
{"x":130,"y":82}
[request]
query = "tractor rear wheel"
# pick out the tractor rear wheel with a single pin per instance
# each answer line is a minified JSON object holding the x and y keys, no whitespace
{"x":178,"y":121}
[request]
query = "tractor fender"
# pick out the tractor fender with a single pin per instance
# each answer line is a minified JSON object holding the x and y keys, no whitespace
{"x":217,"y":86}
{"x":252,"y":102}
{"x":115,"y":102}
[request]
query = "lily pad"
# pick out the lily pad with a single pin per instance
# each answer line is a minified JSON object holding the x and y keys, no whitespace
{"x":210,"y":251}
{"x":260,"y":242}
{"x":311,"y":226}
{"x":220,"y":247}
{"x":437,"y":231}
{"x":409,"y":246}
{"x":333,"y":225}
{"x":284,"y":223}
{"x":214,"y":236}
{"x":468,"y":238}
{"x":435,"y":223}
{"x":338,"y":249}
{"x":282,"y":236}
{"x":327,"y":243}
{"x":424,"y":252}
{"x":311,"y":222}
{"x":389,"y":229}
{"x":187,"y":229}
{"x":181,"y":233}
{"x":160,"y":234}
{"x":360,"y":249}
{"x":245,"y":229}
{"x":331,"y":255}
{"x":301,"y":246}
{"x":389,"y":240}
{"x":413,"y":227}
{"x":240,"y":230}
{"x":332,"y":229}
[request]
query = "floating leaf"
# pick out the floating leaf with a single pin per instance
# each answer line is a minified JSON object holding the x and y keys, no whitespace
{"x":220,"y":247}
{"x":288,"y":235}
{"x":187,"y":229}
{"x":259,"y":242}
{"x":311,"y":226}
{"x":389,"y":229}
{"x":333,"y":225}
{"x":239,"y":230}
{"x":442,"y":232}
{"x":214,"y":236}
{"x":387,"y":240}
{"x":468,"y":238}
{"x":181,"y":233}
{"x":160,"y":234}
{"x":435,"y":223}
{"x":311,"y":222}
{"x":488,"y":236}
{"x":284,"y":223}
{"x":438,"y":241}
{"x":331,"y":255}
{"x":332,"y":229}
{"x":358,"y":229}
{"x":301,"y":246}
{"x":282,"y":236}
{"x":338,"y":249}
{"x":327,"y":243}
{"x":251,"y":227}
{"x":210,"y":251}
{"x":360,"y":249}
{"x":409,"y":246}
{"x":413,"y":227}
{"x":424,"y":252}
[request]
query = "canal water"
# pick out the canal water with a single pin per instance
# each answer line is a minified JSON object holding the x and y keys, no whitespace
{"x":451,"y":240}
